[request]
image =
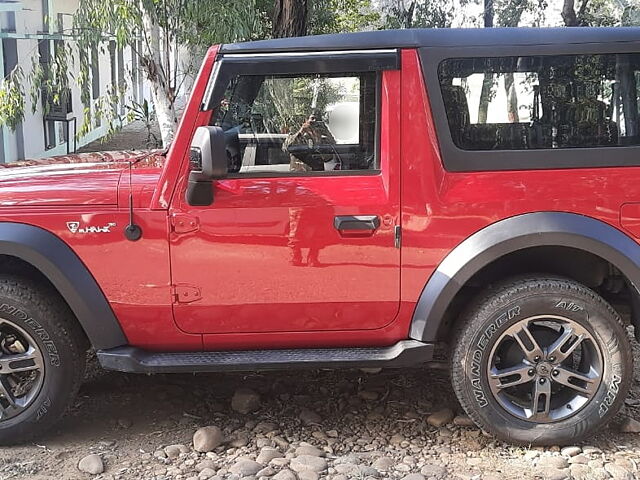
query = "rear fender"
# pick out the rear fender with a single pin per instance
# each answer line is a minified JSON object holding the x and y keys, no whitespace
{"x":517,"y":233}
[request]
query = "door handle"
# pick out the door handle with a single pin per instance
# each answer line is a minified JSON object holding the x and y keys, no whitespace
{"x":356,"y":222}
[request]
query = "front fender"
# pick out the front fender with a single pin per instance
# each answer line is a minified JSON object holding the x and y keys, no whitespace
{"x":58,"y":263}
{"x":510,"y":235}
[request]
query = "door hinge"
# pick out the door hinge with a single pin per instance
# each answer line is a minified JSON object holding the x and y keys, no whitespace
{"x":183,"y":223}
{"x":397,"y":235}
{"x":185,"y":293}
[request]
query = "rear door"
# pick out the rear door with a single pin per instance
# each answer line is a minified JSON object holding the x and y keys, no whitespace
{"x":301,"y":236}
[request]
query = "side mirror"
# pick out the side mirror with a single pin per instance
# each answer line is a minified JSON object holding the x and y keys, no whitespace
{"x":208,"y":158}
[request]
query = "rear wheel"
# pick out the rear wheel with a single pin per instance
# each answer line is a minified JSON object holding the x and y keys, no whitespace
{"x":41,"y":359}
{"x":541,"y":361}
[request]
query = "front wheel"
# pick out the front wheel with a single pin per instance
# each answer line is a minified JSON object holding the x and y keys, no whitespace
{"x":541,"y":361}
{"x":42,"y":359}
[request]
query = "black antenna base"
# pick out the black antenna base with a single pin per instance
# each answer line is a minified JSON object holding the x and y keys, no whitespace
{"x":133,"y":232}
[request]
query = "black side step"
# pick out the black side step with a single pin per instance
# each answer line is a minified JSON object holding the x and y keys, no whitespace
{"x":131,"y":359}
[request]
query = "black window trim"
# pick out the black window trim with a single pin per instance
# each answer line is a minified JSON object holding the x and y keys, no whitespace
{"x":456,"y":159}
{"x":343,"y":62}
{"x":229,"y":65}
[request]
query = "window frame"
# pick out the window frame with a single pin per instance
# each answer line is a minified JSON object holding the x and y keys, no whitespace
{"x":456,"y":159}
{"x":308,"y":63}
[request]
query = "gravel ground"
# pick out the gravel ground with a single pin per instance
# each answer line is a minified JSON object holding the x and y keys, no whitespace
{"x":287,"y":425}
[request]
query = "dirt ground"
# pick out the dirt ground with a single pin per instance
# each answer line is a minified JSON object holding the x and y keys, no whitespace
{"x":126,"y":418}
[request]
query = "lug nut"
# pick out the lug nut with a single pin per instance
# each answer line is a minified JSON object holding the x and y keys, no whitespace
{"x":552,"y":359}
{"x":555,"y":373}
{"x":536,"y":358}
{"x":531,"y":372}
{"x":543,"y":380}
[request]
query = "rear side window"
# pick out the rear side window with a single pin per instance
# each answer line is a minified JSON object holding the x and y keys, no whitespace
{"x":300,"y":124}
{"x":542,"y":102}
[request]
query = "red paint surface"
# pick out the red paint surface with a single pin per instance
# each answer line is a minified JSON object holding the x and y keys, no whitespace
{"x":255,"y":292}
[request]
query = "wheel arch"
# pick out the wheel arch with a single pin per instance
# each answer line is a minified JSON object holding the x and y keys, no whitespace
{"x":59,"y":264}
{"x":519,"y":234}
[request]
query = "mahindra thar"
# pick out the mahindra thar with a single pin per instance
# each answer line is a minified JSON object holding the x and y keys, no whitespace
{"x":351,"y":200}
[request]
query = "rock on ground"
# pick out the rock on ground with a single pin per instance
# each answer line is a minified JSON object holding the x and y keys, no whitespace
{"x":207,"y":439}
{"x":308,"y":462}
{"x":91,"y":464}
{"x":440,"y":418}
{"x":245,"y":401}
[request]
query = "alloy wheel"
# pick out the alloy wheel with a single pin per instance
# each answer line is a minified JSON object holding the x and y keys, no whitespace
{"x":545,"y":368}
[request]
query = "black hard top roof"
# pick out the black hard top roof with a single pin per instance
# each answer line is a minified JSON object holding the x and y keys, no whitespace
{"x":444,"y":37}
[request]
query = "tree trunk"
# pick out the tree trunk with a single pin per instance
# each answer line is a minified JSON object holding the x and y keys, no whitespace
{"x":161,"y":91}
{"x":516,"y":8}
{"x":290,"y":18}
{"x":487,"y":83}
{"x":569,"y":15}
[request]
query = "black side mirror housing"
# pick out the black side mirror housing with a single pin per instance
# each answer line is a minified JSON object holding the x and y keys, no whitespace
{"x":208,"y":158}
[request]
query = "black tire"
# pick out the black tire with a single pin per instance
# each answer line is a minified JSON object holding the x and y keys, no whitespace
{"x":33,"y":312}
{"x":487,"y":337}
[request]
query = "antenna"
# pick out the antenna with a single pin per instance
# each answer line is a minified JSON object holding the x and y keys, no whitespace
{"x":132,"y":231}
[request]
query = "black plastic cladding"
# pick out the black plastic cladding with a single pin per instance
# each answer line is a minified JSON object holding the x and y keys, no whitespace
{"x":57,"y":262}
{"x":510,"y":235}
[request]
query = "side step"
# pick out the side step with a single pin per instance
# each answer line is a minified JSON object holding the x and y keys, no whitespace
{"x":135,"y":360}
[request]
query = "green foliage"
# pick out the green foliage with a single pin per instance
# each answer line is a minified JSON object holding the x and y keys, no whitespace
{"x":12,"y":99}
{"x":144,"y":113}
{"x":419,"y":14}
{"x":337,"y":16}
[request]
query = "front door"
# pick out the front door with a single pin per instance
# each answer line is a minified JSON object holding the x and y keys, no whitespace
{"x":302,"y":234}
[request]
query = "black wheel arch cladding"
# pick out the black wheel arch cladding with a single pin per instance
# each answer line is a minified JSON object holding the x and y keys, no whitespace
{"x":513,"y":234}
{"x":69,"y":276}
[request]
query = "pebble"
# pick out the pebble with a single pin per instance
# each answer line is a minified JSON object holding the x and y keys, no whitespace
{"x":174,"y":451}
{"x":570,"y":451}
{"x":239,"y":441}
{"x":285,"y":475}
{"x":617,"y":472}
{"x":629,"y":425}
{"x":463,"y":421}
{"x":308,"y":462}
{"x":267,"y":454}
{"x":414,"y":476}
{"x":579,"y":459}
{"x":383,"y":464}
{"x":206,"y":473}
{"x":440,"y":418}
{"x":207,"y":439}
{"x":309,"y":417}
{"x":245,"y":401}
{"x":245,"y":467}
{"x":308,"y":475}
{"x":309,"y":450}
{"x":433,"y":470}
{"x":550,"y":473}
{"x":553,"y":462}
{"x":266,"y":472}
{"x":91,"y":464}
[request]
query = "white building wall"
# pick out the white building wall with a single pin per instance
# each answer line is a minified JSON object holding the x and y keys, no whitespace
{"x":30,"y":137}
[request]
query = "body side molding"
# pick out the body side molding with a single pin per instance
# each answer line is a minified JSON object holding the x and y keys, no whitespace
{"x":58,"y":263}
{"x":510,"y":235}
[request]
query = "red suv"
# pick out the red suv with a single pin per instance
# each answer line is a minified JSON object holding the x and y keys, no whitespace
{"x":347,"y":201}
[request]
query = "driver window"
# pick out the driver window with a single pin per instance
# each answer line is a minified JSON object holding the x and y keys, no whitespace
{"x":298,"y":125}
